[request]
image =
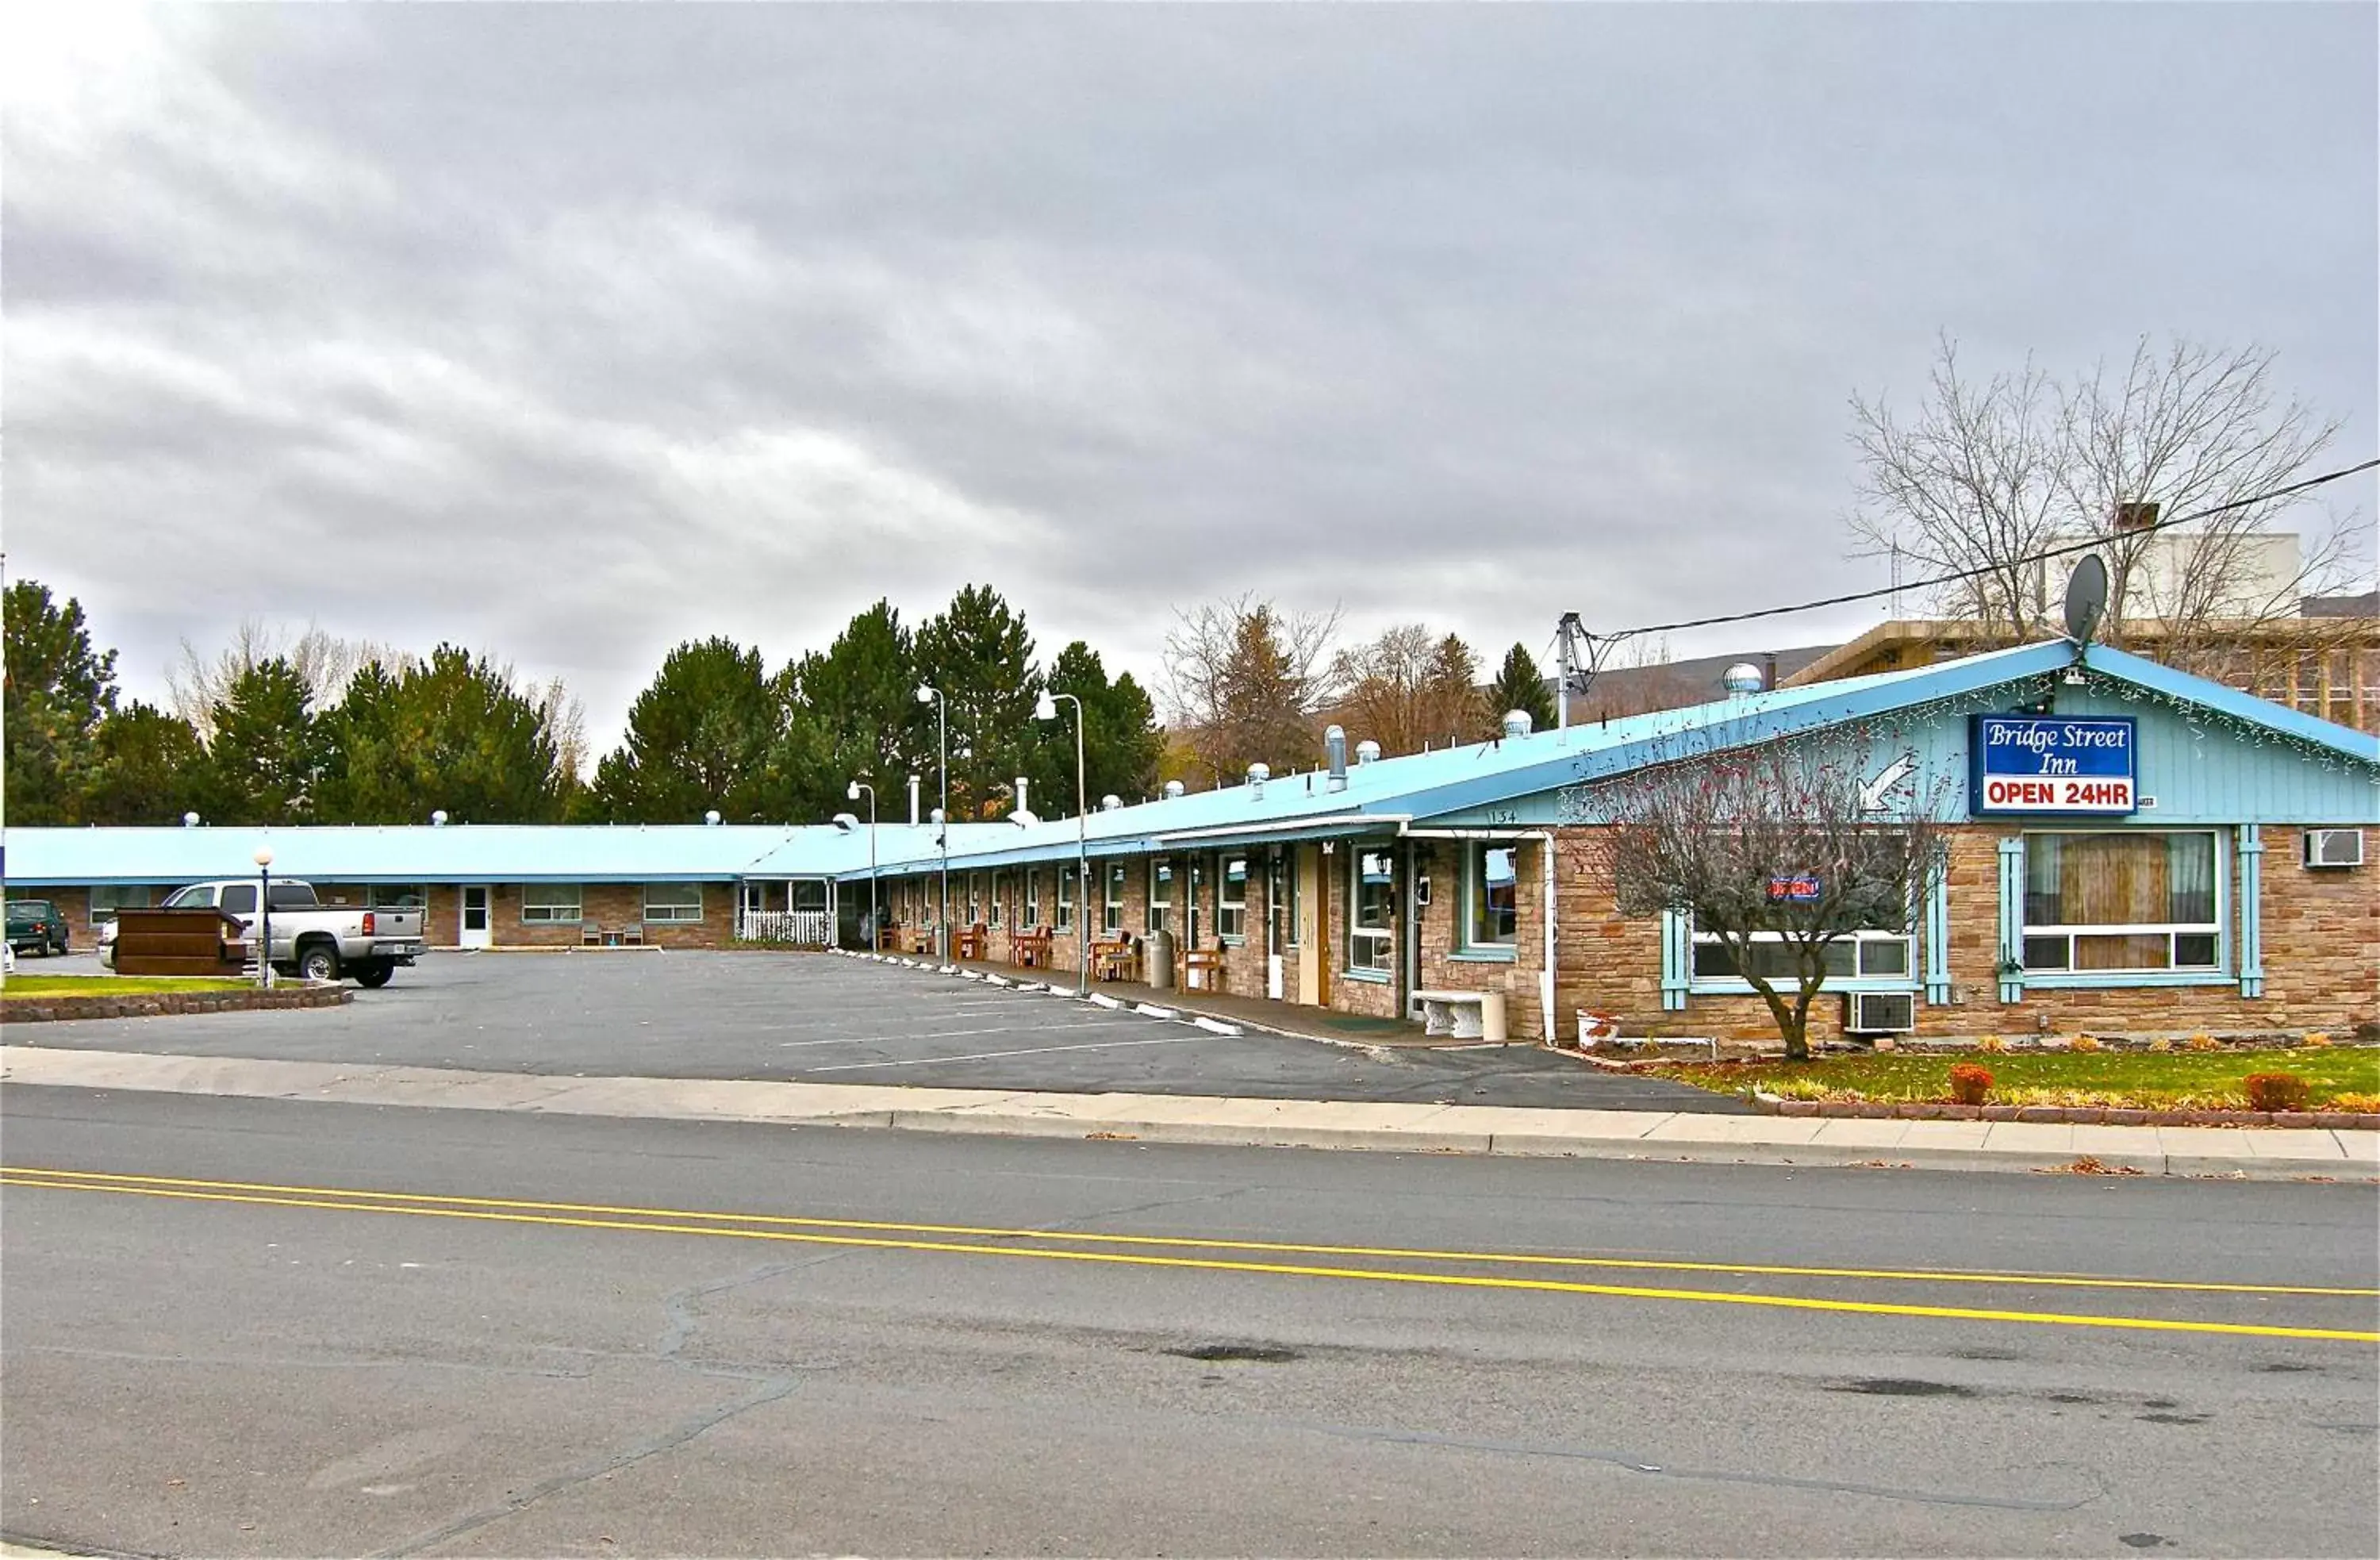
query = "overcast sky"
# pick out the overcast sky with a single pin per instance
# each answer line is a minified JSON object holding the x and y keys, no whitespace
{"x":573,"y":331}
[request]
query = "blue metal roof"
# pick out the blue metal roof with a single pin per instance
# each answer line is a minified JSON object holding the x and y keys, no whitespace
{"x":463,"y":852}
{"x":1380,"y":795}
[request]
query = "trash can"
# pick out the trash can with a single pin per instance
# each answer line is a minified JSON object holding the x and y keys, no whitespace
{"x":1491,"y":1018}
{"x":1160,"y":960}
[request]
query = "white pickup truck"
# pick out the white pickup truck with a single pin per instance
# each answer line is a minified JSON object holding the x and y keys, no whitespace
{"x":317,"y":941}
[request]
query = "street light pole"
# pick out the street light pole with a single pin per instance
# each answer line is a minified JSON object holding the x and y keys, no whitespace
{"x":264,"y":916}
{"x":1046,"y":709}
{"x":853,"y":794}
{"x":929,"y":694}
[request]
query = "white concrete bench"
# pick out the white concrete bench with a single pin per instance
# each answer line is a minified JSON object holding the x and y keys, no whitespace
{"x":1460,"y":1014}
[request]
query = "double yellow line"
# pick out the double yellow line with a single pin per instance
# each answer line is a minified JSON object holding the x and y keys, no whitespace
{"x":1145,"y":1250}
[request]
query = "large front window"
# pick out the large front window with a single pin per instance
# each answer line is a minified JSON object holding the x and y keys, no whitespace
{"x":549,"y":903}
{"x":1876,"y":955}
{"x":2122,"y":902}
{"x":106,"y":899}
{"x":1371,"y":893}
{"x":1231,"y":903}
{"x":673,"y":902}
{"x":1160,"y":895}
{"x":1491,"y":898}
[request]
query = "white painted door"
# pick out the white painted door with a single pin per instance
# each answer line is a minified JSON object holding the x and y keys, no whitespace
{"x":478,"y":930}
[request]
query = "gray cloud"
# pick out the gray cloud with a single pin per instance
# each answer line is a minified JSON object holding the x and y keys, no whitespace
{"x":574,"y":331}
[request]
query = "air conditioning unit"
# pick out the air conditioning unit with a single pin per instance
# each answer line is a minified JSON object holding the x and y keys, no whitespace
{"x":1880,"y":1013}
{"x":2334,"y":847}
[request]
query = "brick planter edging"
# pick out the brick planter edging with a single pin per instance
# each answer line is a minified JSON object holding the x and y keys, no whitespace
{"x":2082,"y":1116}
{"x":57,"y":1009}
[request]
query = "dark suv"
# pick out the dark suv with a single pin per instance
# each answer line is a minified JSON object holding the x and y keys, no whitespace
{"x":36,"y":926}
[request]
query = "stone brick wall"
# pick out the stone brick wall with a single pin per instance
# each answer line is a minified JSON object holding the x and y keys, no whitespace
{"x":59,"y":1009}
{"x":2321,"y":958}
{"x":1446,"y":966}
{"x":612,"y":905}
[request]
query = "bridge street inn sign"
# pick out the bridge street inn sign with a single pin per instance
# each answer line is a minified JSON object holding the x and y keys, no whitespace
{"x":2071,"y":766}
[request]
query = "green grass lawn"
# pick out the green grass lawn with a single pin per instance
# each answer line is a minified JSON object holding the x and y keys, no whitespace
{"x":2179,"y":1080}
{"x":119,"y":985}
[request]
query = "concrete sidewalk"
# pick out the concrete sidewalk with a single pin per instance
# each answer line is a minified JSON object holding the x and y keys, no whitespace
{"x":2247,"y":1153}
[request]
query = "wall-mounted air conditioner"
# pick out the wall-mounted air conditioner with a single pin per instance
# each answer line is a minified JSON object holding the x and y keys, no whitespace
{"x":1880,"y":1012}
{"x":2334,"y":847}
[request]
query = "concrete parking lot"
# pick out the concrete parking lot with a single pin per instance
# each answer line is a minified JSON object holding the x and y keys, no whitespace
{"x":820,"y":1019}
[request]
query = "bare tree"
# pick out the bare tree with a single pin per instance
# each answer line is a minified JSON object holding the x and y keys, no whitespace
{"x":326,"y":664}
{"x":1779,"y":853}
{"x":1643,"y":679}
{"x":1971,"y":485}
{"x":1242,"y":680}
{"x":2189,"y":429}
{"x":1988,"y":474}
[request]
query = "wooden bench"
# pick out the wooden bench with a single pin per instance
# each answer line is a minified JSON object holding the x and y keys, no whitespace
{"x":1112,"y":961}
{"x":1029,"y":950}
{"x":1460,"y":1014}
{"x":1207,"y":962}
{"x":970,"y":943}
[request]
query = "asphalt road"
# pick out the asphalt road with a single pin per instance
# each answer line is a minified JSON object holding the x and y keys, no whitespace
{"x":250,"y":1327}
{"x":834,"y":1021}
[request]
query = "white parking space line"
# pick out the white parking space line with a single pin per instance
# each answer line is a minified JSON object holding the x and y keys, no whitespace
{"x":995,"y":1055}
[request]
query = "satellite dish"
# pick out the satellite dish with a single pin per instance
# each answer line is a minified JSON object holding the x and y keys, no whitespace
{"x":2086,"y":598}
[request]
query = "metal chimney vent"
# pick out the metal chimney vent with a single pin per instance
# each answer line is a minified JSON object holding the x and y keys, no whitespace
{"x":1110,"y":802}
{"x":1173,"y":789}
{"x":1368,"y":751}
{"x":1334,"y":744}
{"x":1517,"y":722}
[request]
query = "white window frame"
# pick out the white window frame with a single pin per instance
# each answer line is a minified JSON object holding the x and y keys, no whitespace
{"x":1028,"y":914}
{"x":997,"y":900}
{"x":673,"y":911}
{"x":1371,"y":950}
{"x":1157,"y":914}
{"x":1231,"y":915}
{"x":1111,"y":900}
{"x":543,"y":904}
{"x":1474,"y":877}
{"x":1066,"y":876}
{"x":2172,"y":931}
{"x":1861,"y":978}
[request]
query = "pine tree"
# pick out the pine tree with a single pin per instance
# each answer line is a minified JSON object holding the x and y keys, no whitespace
{"x":59,"y":691}
{"x":699,"y":739}
{"x":979,"y":655}
{"x":1520,"y":685}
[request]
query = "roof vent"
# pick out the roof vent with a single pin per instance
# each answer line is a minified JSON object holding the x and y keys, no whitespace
{"x":711,"y":818}
{"x":1110,"y":802}
{"x":1368,"y":751}
{"x":1334,"y":744}
{"x":189,"y":820}
{"x":1173,"y":789}
{"x":1257,"y":774}
{"x":1517,"y":722}
{"x":438,"y":818}
{"x":1020,"y":810}
{"x":1742,"y":678}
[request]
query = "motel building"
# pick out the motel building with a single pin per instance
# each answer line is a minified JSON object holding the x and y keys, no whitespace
{"x":2131,"y":850}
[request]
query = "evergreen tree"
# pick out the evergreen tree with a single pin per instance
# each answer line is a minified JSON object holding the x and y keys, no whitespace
{"x":859,"y":701}
{"x":701,"y":737}
{"x":59,"y":691}
{"x":453,"y":733}
{"x":1121,"y":742}
{"x":268,"y":753}
{"x":151,"y":769}
{"x":1519,"y":685}
{"x":978,"y":653}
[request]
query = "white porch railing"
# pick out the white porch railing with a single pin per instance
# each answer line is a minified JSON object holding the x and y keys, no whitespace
{"x":803,"y":928}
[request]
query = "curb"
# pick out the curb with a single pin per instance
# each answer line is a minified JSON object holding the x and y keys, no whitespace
{"x":1471,"y":1131}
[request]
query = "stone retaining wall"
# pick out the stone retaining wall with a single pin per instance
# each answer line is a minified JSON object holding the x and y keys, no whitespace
{"x":51,"y":1009}
{"x":2082,"y":1116}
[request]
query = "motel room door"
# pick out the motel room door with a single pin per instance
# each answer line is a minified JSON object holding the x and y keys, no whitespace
{"x":477,"y":926}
